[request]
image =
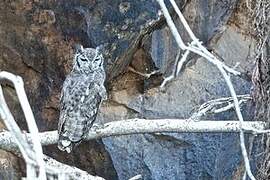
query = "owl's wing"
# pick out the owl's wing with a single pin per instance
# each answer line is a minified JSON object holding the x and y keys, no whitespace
{"x":92,"y":102}
{"x":100,"y":77}
{"x":66,"y":105}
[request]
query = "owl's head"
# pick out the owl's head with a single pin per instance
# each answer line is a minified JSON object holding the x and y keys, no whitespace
{"x":87,"y":59}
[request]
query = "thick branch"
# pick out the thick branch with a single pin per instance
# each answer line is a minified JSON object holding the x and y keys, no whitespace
{"x":137,"y":126}
{"x":69,"y":172}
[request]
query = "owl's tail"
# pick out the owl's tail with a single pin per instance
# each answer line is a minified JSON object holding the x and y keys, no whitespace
{"x":64,"y":144}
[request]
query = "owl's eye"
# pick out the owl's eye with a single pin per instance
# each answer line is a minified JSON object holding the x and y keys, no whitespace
{"x":83,"y":59}
{"x":97,"y":58}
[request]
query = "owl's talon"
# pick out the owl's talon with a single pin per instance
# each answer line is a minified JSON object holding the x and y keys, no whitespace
{"x":65,"y":143}
{"x":68,"y":149}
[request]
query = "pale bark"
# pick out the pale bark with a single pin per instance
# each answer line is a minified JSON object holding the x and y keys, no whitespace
{"x":139,"y":126}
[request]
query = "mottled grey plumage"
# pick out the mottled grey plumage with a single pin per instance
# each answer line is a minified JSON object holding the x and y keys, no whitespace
{"x":82,"y":93}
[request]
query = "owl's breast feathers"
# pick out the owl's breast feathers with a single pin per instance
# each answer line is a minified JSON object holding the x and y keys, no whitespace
{"x":80,"y":99}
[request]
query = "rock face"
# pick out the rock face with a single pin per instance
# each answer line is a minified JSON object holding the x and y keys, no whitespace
{"x":184,"y":156}
{"x":36,"y":39}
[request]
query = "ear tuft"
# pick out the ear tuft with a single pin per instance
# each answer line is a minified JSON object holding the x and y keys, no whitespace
{"x":99,"y":48}
{"x":78,"y":48}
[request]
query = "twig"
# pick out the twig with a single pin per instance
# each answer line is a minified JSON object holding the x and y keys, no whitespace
{"x":181,"y":62}
{"x":213,"y":106}
{"x":177,"y":67}
{"x":146,"y":75}
{"x":166,"y":80}
{"x":137,"y":177}
{"x":173,"y":75}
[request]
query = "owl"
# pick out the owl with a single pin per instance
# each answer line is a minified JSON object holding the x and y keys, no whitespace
{"x":83,"y":91}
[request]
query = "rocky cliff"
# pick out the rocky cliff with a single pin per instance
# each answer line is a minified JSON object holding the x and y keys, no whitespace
{"x":36,"y":39}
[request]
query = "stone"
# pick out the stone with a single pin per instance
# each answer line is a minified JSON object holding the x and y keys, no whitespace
{"x":9,"y":166}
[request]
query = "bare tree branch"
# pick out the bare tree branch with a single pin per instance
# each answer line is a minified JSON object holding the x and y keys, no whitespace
{"x":69,"y":172}
{"x":138,"y":126}
{"x":15,"y":130}
{"x":13,"y":127}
